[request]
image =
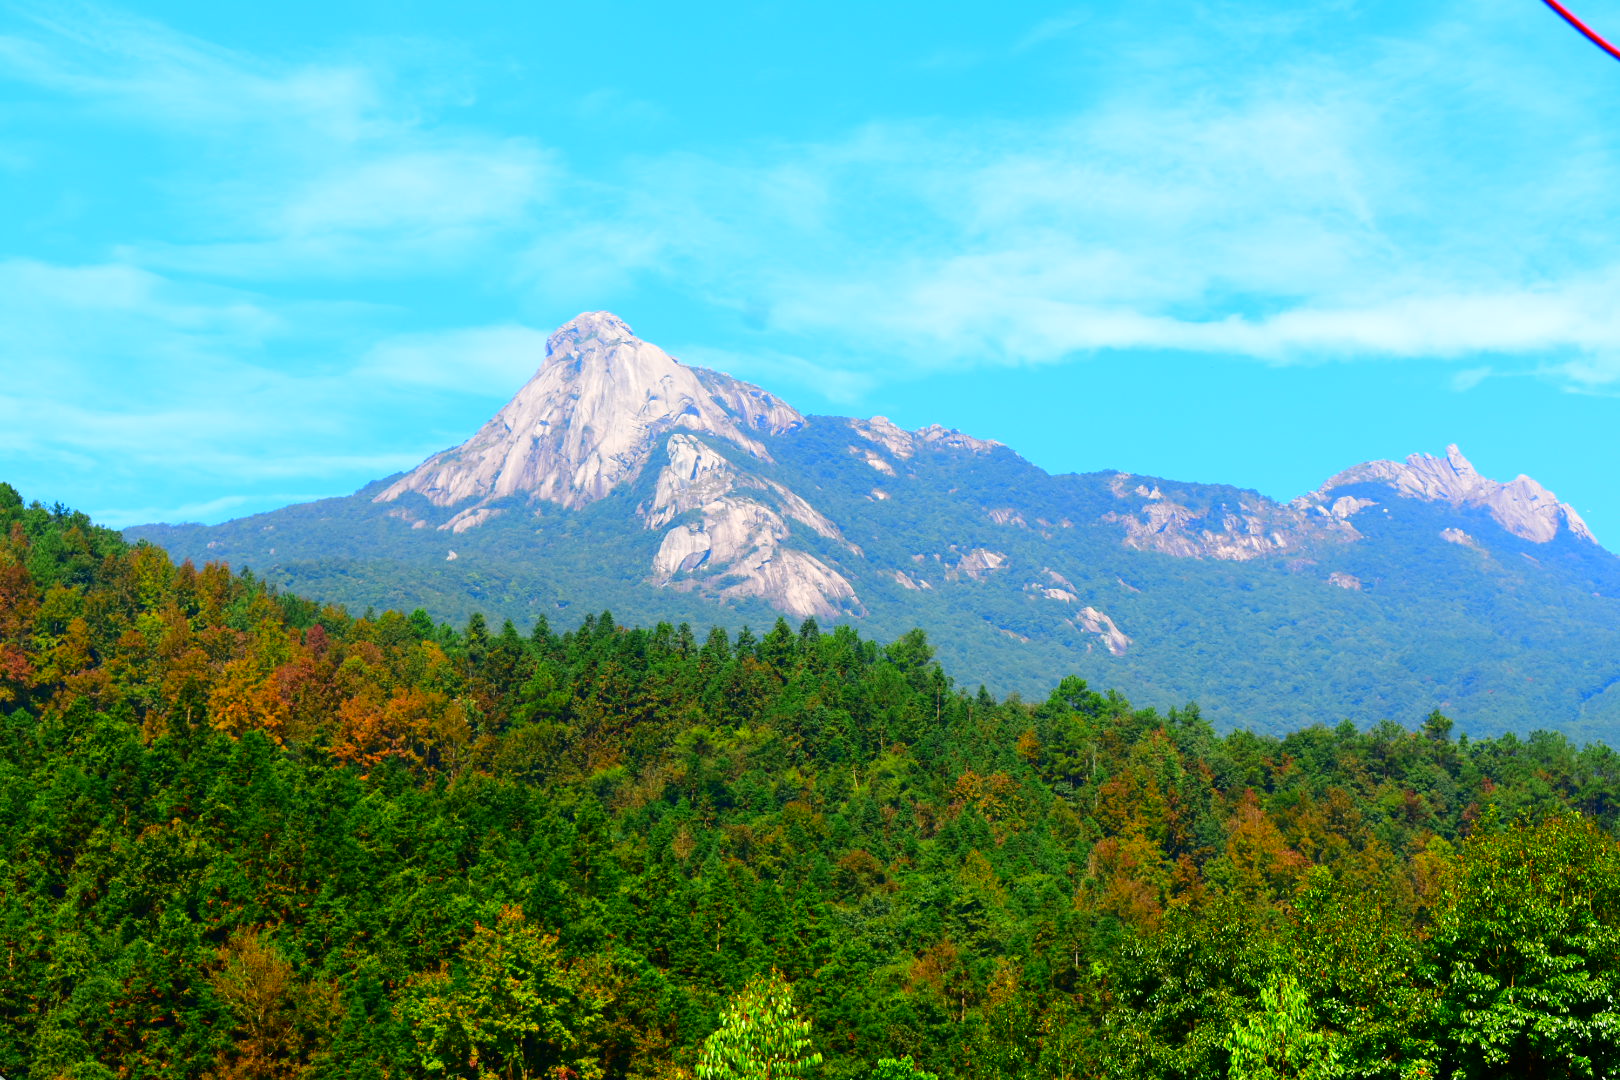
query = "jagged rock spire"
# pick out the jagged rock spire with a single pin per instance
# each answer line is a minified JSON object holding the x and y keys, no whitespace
{"x":1521,"y":506}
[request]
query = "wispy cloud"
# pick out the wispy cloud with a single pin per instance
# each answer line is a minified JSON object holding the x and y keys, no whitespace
{"x":1316,"y":209}
{"x":1378,"y":196}
{"x":313,"y":169}
{"x":148,"y":74}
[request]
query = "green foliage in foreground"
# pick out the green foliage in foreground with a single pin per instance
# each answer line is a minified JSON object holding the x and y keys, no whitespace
{"x":244,"y":836}
{"x":760,"y":1036}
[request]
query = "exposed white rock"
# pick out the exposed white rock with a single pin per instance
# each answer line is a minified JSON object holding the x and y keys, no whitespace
{"x":469,"y":518}
{"x":1521,"y":506}
{"x":738,"y":548}
{"x":589,"y":420}
{"x":887,"y":434}
{"x":452,"y":557}
{"x":879,"y":464}
{"x":685,"y":548}
{"x":1006,"y":515}
{"x":910,"y":582}
{"x":1060,"y":594}
{"x":739,"y":537}
{"x":949,"y":438}
{"x":1058,"y":579}
{"x":1254,"y":528}
{"x":980,"y":562}
{"x":1346,"y":507}
{"x":903,"y":444}
{"x":1457,"y":536}
{"x":1095,"y":622}
{"x":1344,"y":580}
{"x":696,"y":474}
{"x":878,"y":495}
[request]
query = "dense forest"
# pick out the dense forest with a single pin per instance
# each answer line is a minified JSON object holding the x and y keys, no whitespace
{"x":243,"y":835}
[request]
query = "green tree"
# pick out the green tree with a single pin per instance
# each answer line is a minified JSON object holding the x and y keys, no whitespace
{"x":512,"y":1007}
{"x":900,"y":1069}
{"x":1281,"y":1042}
{"x":760,"y":1036}
{"x":1528,"y":941}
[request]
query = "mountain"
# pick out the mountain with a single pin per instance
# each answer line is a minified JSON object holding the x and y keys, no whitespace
{"x":619,"y":478}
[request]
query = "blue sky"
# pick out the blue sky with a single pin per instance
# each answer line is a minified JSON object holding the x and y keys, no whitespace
{"x":259,"y":253}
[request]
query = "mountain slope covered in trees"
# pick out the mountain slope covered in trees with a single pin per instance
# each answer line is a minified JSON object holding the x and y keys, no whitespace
{"x":245,"y":835}
{"x":620,"y":478}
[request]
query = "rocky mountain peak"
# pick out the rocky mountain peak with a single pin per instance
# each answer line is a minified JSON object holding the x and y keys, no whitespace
{"x":591,"y":418}
{"x":1521,"y":506}
{"x":600,"y":326}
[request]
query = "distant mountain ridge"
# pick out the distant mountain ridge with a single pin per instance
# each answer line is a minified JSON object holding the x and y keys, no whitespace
{"x":619,"y":477}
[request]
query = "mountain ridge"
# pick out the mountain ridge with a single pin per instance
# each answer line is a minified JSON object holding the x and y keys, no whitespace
{"x":618,"y":476}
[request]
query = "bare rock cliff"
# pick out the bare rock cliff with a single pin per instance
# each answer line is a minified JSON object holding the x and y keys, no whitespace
{"x":590,"y":419}
{"x":732,"y":539}
{"x":1521,"y":506}
{"x":1249,"y":527}
{"x":595,"y":414}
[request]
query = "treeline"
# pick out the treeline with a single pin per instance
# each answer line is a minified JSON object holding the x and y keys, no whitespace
{"x":243,"y":835}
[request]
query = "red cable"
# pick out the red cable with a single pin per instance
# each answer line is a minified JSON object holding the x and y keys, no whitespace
{"x":1590,"y":34}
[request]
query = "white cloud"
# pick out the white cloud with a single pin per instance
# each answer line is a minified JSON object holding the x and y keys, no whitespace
{"x":1292,"y":216}
{"x":148,"y":73}
{"x":443,"y":188}
{"x":309,"y":169}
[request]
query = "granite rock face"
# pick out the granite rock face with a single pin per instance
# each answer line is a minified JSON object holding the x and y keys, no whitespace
{"x":1244,"y":527}
{"x":1521,"y":506}
{"x":1096,"y":622}
{"x":589,"y":420}
{"x":731,"y":541}
{"x":594,"y":416}
{"x":604,"y":407}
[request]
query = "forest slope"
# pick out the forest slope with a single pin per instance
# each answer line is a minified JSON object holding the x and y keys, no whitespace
{"x":242,"y":834}
{"x":618,"y":477}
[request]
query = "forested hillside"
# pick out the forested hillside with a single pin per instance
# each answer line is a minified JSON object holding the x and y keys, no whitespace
{"x":619,"y":478}
{"x":242,"y":835}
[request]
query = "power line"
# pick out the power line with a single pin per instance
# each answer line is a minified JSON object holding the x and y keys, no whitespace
{"x":1590,"y":34}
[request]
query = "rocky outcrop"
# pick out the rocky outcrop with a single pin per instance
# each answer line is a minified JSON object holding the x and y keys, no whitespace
{"x":887,"y":434}
{"x":943,"y":438}
{"x":736,"y":550}
{"x":470,"y":518}
{"x":980,"y":562}
{"x":1521,"y":506}
{"x":1248,"y":526}
{"x":590,"y":419}
{"x":1344,"y":580}
{"x":904,"y":444}
{"x":736,"y":547}
{"x":1457,"y":536}
{"x":596,"y":412}
{"x":1096,"y":622}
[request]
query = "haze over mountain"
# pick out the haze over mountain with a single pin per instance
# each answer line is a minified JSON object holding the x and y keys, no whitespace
{"x":619,"y":478}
